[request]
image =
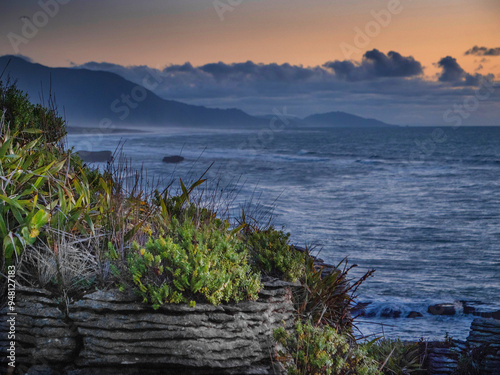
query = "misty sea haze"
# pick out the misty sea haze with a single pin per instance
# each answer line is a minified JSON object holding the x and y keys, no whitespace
{"x":419,"y":205}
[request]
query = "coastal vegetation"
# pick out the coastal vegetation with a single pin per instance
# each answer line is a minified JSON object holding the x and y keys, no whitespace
{"x":70,"y":229}
{"x":320,"y":349}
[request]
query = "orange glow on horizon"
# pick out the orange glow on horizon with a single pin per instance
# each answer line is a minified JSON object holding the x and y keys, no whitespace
{"x":281,"y":31}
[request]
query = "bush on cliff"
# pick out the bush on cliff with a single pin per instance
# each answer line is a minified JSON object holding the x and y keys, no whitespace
{"x":192,"y":263}
{"x":272,"y":253}
{"x":320,"y":349}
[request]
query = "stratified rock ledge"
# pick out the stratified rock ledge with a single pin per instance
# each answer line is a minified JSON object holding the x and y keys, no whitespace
{"x":112,"y":330}
{"x":485,"y":334}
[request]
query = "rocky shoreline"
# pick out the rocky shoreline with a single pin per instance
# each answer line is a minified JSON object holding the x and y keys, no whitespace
{"x":482,"y":346}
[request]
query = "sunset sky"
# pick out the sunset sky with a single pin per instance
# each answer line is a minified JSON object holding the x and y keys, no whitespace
{"x":303,"y":33}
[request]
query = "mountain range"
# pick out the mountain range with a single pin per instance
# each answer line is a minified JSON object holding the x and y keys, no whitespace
{"x":90,"y":98}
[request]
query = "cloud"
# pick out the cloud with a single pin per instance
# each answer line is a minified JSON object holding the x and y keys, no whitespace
{"x":376,"y":64}
{"x":221,"y":79}
{"x":365,"y":88}
{"x":273,"y":72}
{"x":483,"y":51}
{"x":451,"y":70}
{"x":453,"y":73}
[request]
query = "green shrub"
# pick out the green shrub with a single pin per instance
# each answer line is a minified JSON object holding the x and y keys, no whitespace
{"x":321,"y":350}
{"x":21,"y":115}
{"x":398,"y":358}
{"x":193,"y":263}
{"x":272,"y":253}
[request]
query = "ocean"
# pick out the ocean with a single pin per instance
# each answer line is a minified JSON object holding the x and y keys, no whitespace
{"x":421,"y":206}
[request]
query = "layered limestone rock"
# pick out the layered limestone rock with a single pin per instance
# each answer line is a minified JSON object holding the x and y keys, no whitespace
{"x":485,"y":335}
{"x":112,"y":330}
{"x":117,"y":330}
{"x":443,"y":357}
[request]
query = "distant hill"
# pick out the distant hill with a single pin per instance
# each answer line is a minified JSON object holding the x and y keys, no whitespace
{"x":343,"y":119}
{"x":87,"y":97}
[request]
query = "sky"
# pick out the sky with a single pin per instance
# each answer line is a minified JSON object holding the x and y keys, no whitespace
{"x":401,"y":61}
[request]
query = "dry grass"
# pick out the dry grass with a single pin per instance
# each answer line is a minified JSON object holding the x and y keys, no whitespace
{"x":70,"y":263}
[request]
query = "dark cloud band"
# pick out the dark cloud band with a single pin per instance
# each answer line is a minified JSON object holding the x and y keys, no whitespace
{"x":483,"y":51}
{"x":376,"y":64}
{"x":336,"y":85}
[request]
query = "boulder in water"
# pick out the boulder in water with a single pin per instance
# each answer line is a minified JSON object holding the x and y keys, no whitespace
{"x":390,"y":312}
{"x":173,"y":159}
{"x":442,"y":309}
{"x":95,"y":156}
{"x":414,"y":314}
{"x":468,"y":308}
